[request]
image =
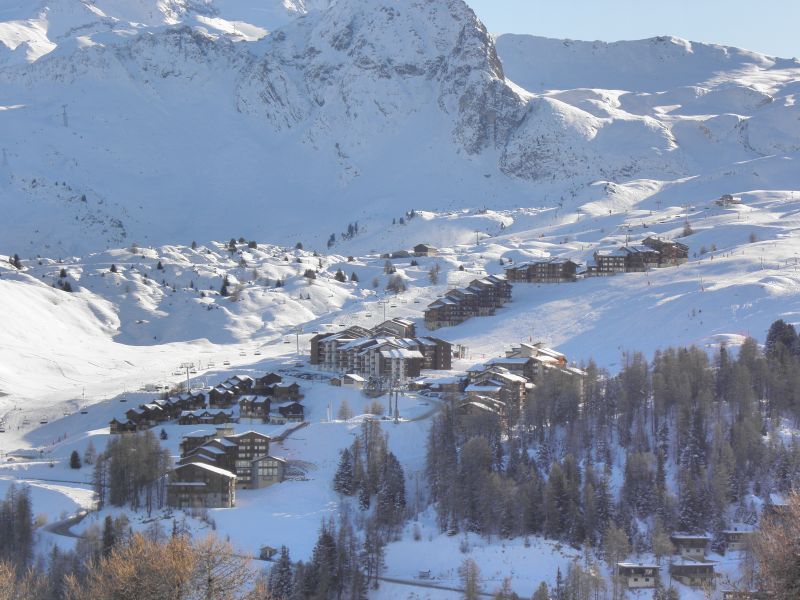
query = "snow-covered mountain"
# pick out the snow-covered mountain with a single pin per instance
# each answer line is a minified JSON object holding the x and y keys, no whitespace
{"x":161,"y":122}
{"x":280,"y":120}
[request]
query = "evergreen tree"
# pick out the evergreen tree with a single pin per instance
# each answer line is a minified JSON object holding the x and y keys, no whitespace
{"x":281,"y":577}
{"x":113,"y":268}
{"x":343,"y":479}
{"x":109,"y":537}
{"x":75,"y":460}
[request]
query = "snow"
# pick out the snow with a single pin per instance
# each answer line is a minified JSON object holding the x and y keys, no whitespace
{"x":156,"y":123}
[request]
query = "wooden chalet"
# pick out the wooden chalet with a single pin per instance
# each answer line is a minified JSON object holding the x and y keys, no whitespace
{"x":551,"y":270}
{"x":126,"y":426}
{"x":737,"y":539}
{"x":263,"y":385}
{"x":403,"y":328}
{"x":254,"y":407}
{"x":693,"y":574}
{"x":293,"y":412}
{"x":200,"y":485}
{"x":282,"y":393}
{"x":638,"y":576}
{"x":690,"y":546}
{"x":425,"y":250}
{"x":479,"y":299}
{"x":223,"y":395}
{"x":669,"y":253}
{"x":353,"y":380}
{"x":206,"y":416}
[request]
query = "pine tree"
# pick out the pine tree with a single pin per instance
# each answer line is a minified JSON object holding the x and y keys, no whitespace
{"x":354,"y":277}
{"x":109,"y":535}
{"x":75,"y":460}
{"x":62,"y":274}
{"x":113,"y":268}
{"x":281,"y":577}
{"x":159,"y":266}
{"x":343,"y":479}
{"x":340,"y":276}
{"x":16,"y":262}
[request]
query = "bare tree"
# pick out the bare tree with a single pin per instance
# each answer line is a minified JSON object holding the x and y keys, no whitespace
{"x":777,"y":547}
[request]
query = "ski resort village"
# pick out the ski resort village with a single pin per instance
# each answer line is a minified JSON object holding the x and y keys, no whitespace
{"x":365,"y":300}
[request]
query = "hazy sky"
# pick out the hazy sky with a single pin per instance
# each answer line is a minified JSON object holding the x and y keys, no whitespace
{"x":768,"y":26}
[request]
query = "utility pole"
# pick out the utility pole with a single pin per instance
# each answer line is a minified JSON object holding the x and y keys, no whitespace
{"x":64,"y":115}
{"x":297,"y":331}
{"x":383,"y":303}
{"x":187,"y":366}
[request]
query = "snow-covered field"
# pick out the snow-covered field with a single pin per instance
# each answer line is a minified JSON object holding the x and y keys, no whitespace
{"x":131,"y":129}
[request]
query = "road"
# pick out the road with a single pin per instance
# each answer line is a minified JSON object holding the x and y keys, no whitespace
{"x":430,"y":586}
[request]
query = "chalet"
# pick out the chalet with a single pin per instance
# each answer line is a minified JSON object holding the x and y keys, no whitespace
{"x":737,"y":539}
{"x":480,"y":298}
{"x":267,"y":470}
{"x":440,"y":385}
{"x":263,"y":385}
{"x":286,"y":392}
{"x":242,"y":383}
{"x":551,"y":270}
{"x":276,"y":418}
{"x":222,"y":396}
{"x":609,"y":262}
{"x":401,"y":254}
{"x":254,"y":407}
{"x":693,"y":574}
{"x":352,"y":380}
{"x":198,"y":437}
{"x":637,"y":576}
{"x":395,"y":327}
{"x":190,"y":401}
{"x":208,"y":416}
{"x":500,"y":385}
{"x":669,"y":253}
{"x":293,"y":412}
{"x":199,"y":485}
{"x":425,"y":250}
{"x":117,"y":426}
{"x":481,"y":407}
{"x":690,"y":546}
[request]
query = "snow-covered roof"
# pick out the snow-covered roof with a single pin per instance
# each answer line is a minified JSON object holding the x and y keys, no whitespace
{"x":393,"y":353}
{"x":209,"y":468}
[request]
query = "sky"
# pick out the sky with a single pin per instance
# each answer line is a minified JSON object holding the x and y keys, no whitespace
{"x":767,"y":26}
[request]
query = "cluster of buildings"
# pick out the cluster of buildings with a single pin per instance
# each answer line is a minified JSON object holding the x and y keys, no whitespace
{"x":652,"y":253}
{"x":388,"y":354}
{"x":481,"y":298}
{"x":215,"y":463}
{"x":239,"y":397}
{"x":690,"y":568}
{"x":501,"y":385}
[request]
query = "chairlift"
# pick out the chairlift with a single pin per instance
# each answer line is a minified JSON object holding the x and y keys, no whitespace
{"x":84,"y":411}
{"x":43,"y":421}
{"x":257,"y":353}
{"x":227,"y":363}
{"x":242,"y":353}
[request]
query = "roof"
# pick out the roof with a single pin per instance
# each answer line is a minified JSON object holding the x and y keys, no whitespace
{"x":354,"y":377}
{"x":210,"y":468}
{"x":260,"y":458}
{"x":401,"y":353}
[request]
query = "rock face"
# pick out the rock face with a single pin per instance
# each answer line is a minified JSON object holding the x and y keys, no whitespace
{"x":366,"y":64}
{"x":345,"y":106}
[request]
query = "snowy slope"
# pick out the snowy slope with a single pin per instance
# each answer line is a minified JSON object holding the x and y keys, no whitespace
{"x":122,"y":114}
